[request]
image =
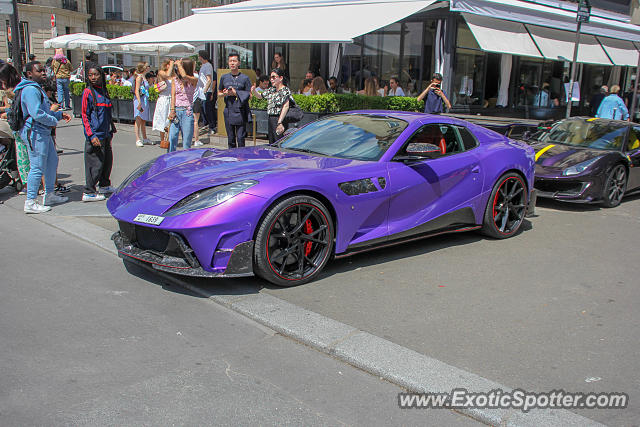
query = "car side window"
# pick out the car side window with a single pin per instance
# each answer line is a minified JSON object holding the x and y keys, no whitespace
{"x":634,"y":139}
{"x":468,"y":140}
{"x":440,"y":135}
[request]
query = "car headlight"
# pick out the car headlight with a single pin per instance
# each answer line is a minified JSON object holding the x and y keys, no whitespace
{"x":209,"y":197}
{"x":141,"y":170}
{"x":579,"y":168}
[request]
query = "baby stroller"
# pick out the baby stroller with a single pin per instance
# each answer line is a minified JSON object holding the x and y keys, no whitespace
{"x":8,"y":165}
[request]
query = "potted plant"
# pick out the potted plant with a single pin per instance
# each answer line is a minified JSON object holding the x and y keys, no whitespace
{"x":76,"y":89}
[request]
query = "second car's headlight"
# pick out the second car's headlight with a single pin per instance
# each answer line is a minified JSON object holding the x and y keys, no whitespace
{"x":209,"y":197}
{"x":579,"y":168}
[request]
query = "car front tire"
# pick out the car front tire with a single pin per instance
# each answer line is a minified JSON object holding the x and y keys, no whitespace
{"x":294,"y":241}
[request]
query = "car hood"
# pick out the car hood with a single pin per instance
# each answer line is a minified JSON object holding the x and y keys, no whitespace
{"x":551,"y":157}
{"x":174,"y":181}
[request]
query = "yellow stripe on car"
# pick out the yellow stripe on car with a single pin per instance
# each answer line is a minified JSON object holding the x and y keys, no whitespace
{"x":541,"y":152}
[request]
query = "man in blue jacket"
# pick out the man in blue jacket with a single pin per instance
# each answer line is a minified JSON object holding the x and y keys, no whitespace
{"x":612,"y":107}
{"x":36,"y":132}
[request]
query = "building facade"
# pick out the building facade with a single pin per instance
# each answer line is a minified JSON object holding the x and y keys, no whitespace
{"x":69,"y":16}
{"x":106,"y":18}
{"x":480,"y":75}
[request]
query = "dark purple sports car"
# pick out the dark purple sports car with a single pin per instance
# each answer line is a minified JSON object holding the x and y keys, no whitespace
{"x":343,"y":184}
{"x":588,"y":160}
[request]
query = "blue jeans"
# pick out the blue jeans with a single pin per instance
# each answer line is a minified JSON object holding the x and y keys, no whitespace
{"x":43,"y":159}
{"x":184,"y":125}
{"x":63,"y":92}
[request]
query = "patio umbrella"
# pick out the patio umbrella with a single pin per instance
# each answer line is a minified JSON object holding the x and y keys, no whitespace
{"x":157,"y":49}
{"x":82,"y":41}
{"x":164,"y":49}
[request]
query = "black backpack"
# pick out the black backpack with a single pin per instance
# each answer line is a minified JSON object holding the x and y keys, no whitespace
{"x":15,"y":115}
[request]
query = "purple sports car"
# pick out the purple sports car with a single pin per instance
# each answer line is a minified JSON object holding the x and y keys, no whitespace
{"x":343,"y":184}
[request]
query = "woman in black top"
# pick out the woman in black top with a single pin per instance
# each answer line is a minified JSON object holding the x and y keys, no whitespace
{"x":277,"y":97}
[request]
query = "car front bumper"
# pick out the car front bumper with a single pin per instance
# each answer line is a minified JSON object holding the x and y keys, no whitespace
{"x":574,"y":190}
{"x":177,"y":257}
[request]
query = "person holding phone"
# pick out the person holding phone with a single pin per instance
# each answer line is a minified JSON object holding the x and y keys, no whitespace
{"x":435,"y":96}
{"x":183,"y":88}
{"x":235,"y":87}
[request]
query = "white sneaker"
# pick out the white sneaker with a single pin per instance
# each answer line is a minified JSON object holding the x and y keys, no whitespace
{"x":92,"y":197}
{"x":107,"y":190}
{"x":147,"y":141}
{"x":139,"y":143}
{"x":53,"y":199}
{"x":31,"y":206}
{"x":198,"y":144}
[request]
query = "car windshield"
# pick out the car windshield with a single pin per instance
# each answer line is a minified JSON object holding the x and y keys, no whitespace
{"x":588,"y":133}
{"x":347,"y":136}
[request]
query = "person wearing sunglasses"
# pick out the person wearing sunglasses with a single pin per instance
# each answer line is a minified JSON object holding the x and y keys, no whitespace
{"x":277,"y":97}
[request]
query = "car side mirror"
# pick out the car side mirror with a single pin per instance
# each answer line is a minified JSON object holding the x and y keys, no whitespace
{"x":429,"y":151}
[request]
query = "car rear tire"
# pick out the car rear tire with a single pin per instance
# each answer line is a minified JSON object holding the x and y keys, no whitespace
{"x":506,"y":207}
{"x":294,"y":241}
{"x":614,"y":186}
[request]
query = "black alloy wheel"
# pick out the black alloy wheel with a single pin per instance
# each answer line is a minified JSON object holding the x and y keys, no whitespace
{"x":294,"y":241}
{"x":506,"y":208}
{"x":615,"y":186}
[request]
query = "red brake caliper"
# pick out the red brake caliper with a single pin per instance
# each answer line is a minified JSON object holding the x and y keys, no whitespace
{"x":308,"y":229}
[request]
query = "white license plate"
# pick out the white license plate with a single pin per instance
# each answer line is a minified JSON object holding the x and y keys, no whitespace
{"x":149,"y":219}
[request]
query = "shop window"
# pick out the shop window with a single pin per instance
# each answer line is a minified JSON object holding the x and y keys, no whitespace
{"x":245,"y":53}
{"x":402,"y":50}
{"x":468,"y":81}
{"x":469,"y":69}
{"x":412,"y":48}
{"x":381,"y":54}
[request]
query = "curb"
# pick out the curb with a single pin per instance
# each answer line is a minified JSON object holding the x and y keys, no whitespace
{"x":399,"y":365}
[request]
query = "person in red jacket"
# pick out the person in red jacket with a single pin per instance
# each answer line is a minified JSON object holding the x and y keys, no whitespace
{"x":98,"y":129}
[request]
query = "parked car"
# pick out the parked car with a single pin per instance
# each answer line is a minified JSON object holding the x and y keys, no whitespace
{"x":346,"y":183}
{"x":588,"y":160}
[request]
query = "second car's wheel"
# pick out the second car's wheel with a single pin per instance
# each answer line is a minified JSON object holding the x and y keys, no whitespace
{"x":614,"y":186}
{"x":294,"y":241}
{"x":506,"y":207}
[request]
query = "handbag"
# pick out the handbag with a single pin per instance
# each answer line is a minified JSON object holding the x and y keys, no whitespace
{"x":295,"y":113}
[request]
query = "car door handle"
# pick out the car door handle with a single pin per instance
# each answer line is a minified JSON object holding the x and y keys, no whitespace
{"x":476,"y":169}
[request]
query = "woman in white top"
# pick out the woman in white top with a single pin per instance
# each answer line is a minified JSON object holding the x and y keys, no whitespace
{"x":161,"y":115}
{"x":394,"y":88}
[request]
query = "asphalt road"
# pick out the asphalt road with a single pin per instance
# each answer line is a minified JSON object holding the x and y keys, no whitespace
{"x":86,"y":341}
{"x":551,"y":308}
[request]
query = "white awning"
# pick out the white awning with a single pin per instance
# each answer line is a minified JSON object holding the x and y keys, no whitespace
{"x":621,"y":52}
{"x":499,"y":35}
{"x":558,"y":45}
{"x":297,"y":21}
{"x":560,"y":15}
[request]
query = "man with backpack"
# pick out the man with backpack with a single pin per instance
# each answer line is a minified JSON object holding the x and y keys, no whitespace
{"x":32,"y":117}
